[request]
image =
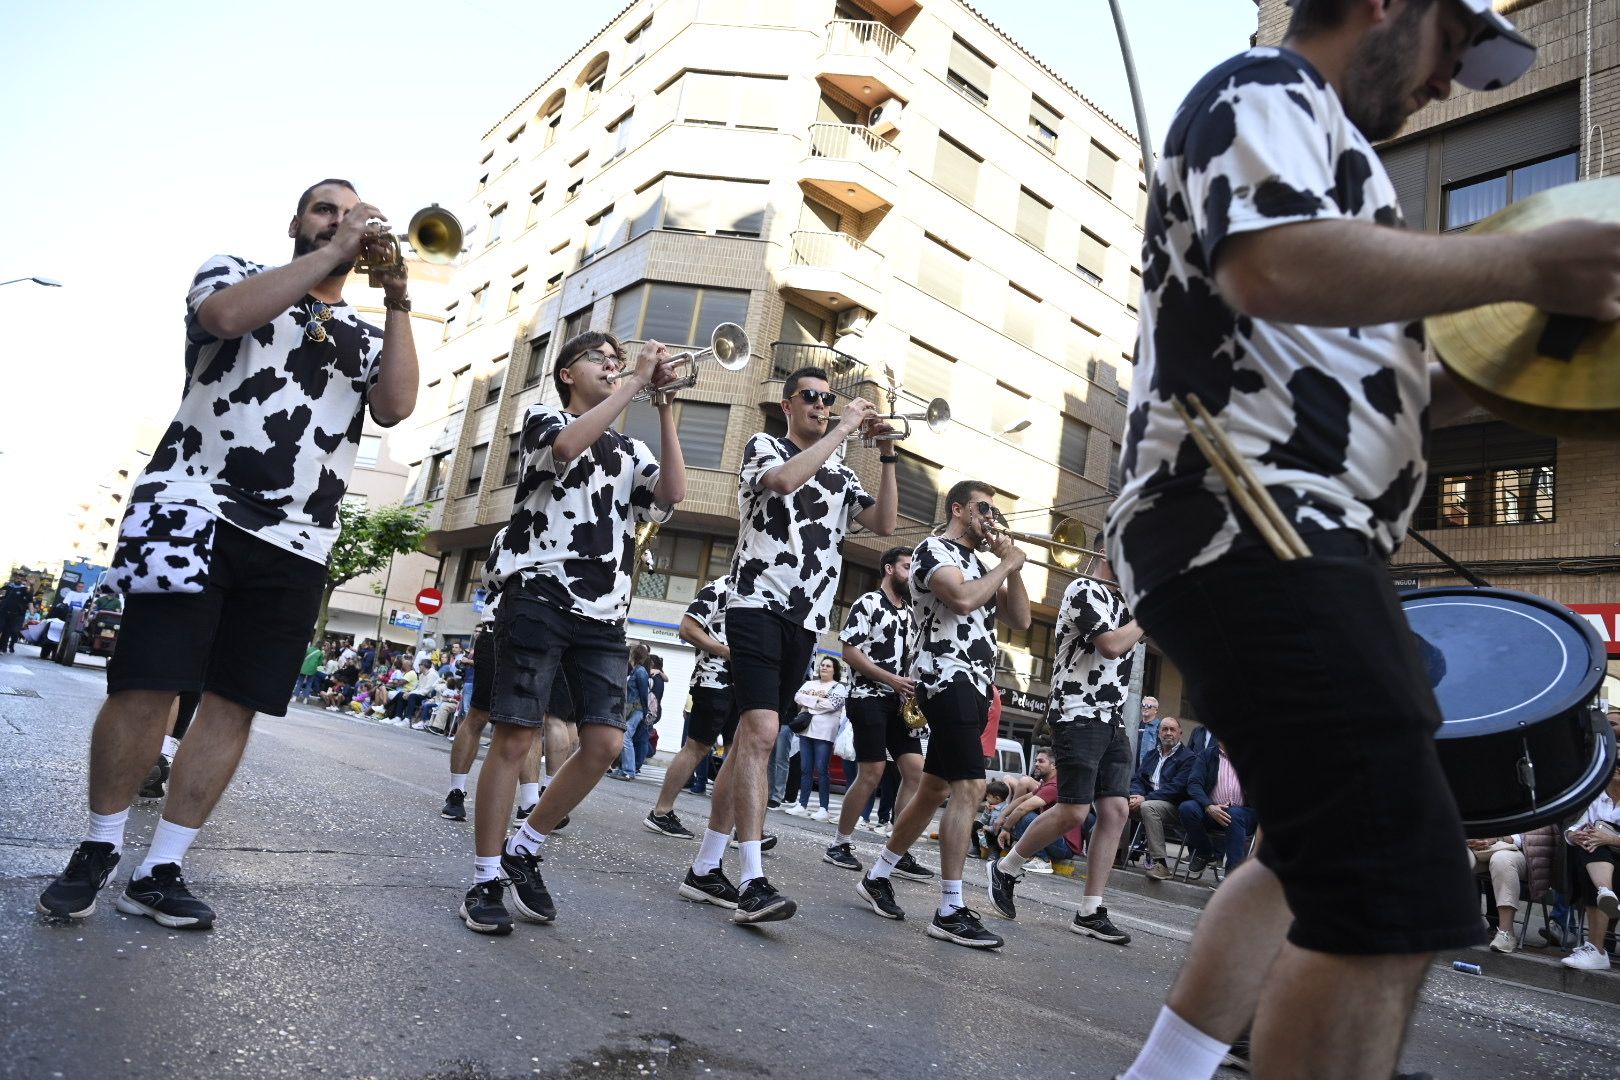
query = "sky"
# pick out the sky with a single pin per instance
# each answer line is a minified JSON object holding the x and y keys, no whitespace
{"x":144,"y":137}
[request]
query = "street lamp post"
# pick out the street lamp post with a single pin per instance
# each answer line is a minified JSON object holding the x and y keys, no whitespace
{"x":51,"y":283}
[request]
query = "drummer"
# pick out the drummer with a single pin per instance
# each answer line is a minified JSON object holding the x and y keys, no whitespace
{"x":1280,"y":294}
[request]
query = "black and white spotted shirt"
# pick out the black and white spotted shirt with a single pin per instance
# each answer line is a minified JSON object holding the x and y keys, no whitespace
{"x":1086,"y":685}
{"x":950,"y":646}
{"x":708,"y":610}
{"x":1332,"y":419}
{"x":788,"y":558}
{"x":269,"y":422}
{"x":571,"y":539}
{"x":886,"y":633}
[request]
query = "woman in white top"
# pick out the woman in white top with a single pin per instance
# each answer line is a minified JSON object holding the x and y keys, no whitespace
{"x":1595,"y":850}
{"x":823,"y":698}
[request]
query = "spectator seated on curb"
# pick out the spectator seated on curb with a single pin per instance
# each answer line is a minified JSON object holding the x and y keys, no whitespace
{"x":1214,"y":805}
{"x":1157,"y":791}
{"x":984,"y":838}
{"x":1024,"y":803}
{"x":1594,"y":850}
{"x":1503,"y":859}
{"x":361,"y":701}
{"x":1065,"y":847}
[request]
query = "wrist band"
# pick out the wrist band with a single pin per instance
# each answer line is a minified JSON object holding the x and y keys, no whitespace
{"x":888,"y":459}
{"x":402,"y":304}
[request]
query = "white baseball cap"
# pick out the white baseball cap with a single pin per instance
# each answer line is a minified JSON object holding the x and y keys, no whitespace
{"x":1497,"y":54}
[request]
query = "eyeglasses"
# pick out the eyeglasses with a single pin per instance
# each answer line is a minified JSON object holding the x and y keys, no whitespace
{"x":810,"y":397}
{"x":984,"y":508}
{"x":595,"y":356}
{"x":319,"y":315}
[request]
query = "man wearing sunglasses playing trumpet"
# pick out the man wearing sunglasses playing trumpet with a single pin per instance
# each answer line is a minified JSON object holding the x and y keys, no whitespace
{"x":794,"y":507}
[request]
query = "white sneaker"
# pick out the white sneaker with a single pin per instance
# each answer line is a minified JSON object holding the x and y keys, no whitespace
{"x":418,"y":726}
{"x":1504,"y":942}
{"x":819,"y":815}
{"x":795,"y":810}
{"x":1588,"y":958}
{"x":1607,"y":902}
{"x":1038,"y":866}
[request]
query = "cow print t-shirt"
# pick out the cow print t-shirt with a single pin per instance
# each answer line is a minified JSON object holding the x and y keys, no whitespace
{"x":1087,"y":685}
{"x":269,"y":422}
{"x":708,"y":610}
{"x":787,"y":557}
{"x":886,"y":634}
{"x":571,"y":540}
{"x":950,"y":647}
{"x":1331,"y":419}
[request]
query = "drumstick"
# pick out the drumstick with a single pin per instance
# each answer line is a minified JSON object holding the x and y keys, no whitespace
{"x":1252,"y":498}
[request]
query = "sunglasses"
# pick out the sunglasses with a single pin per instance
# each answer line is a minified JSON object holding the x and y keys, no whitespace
{"x":319,"y":314}
{"x":984,"y":508}
{"x":810,"y":397}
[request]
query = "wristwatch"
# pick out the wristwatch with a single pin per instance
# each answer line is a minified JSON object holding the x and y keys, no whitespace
{"x":402,"y":304}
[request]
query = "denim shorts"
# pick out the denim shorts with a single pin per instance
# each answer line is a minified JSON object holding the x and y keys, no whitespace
{"x":1093,"y":758}
{"x":539,"y":649}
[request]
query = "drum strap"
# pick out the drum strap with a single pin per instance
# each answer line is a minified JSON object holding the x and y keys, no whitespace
{"x":1456,"y":567}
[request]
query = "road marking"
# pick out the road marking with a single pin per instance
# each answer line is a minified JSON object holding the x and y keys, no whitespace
{"x":18,"y":669}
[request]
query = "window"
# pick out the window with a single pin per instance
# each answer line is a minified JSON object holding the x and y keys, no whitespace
{"x":497,"y":378}
{"x":496,"y":217}
{"x":514,"y":457}
{"x":942,"y":270}
{"x":536,"y":197}
{"x":743,"y":101}
{"x":918,"y":482}
{"x":1009,"y":408}
{"x":458,"y":386}
{"x":636,"y":45}
{"x":1043,"y":125}
{"x":370,"y":447}
{"x":449,"y":323}
{"x":480,"y":299}
{"x":577,"y":323}
{"x":1072,"y":446}
{"x":682,"y":564}
{"x":675,"y":314}
{"x":1036,"y":641}
{"x":475,"y":468}
{"x":554,"y":282}
{"x":1092,"y":260}
{"x":690,"y":204}
{"x":969,"y":73}
{"x":603,"y":225}
{"x":436,"y":476}
{"x":956,"y":168}
{"x":572,"y":191}
{"x":537,"y":360}
{"x":621,"y":133}
{"x":801,"y":326}
{"x":1488,"y":474}
{"x":512,"y":138}
{"x":1032,"y":217}
{"x":1081,"y":345}
{"x":1133,"y":290}
{"x":470,"y":574}
{"x":593,"y":92}
{"x":1100,"y":168}
{"x":1022,"y":314}
{"x":928,"y":372}
{"x":553,"y":126}
{"x":1481,"y":197}
{"x":1113,"y":468}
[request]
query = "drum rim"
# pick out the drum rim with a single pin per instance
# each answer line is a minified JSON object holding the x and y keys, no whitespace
{"x":1572,"y":800}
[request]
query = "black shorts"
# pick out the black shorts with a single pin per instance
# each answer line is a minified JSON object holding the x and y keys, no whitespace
{"x":711,"y":716}
{"x":562,"y":697}
{"x":879,"y":731}
{"x":1308,"y":672}
{"x":545,"y":654}
{"x":1093,"y":758}
{"x":770,"y":660}
{"x":956,"y":713}
{"x":243,"y":637}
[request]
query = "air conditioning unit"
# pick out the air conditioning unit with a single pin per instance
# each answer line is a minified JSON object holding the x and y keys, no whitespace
{"x":853,"y":321}
{"x":885,"y":117}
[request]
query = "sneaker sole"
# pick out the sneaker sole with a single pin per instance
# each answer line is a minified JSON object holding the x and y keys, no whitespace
{"x":780,"y":911}
{"x":698,"y":896}
{"x":853,"y":864}
{"x":866,"y":898}
{"x":493,"y":929}
{"x":910,"y":876}
{"x":1609,"y":905}
{"x":452,"y":817}
{"x":39,"y":906}
{"x":990,"y":888}
{"x":1086,"y":931}
{"x":661,"y":831}
{"x":173,"y":922}
{"x":936,"y":931}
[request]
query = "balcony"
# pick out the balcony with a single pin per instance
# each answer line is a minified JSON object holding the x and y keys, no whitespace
{"x":867,"y":60}
{"x":848,"y":376}
{"x":833,"y":270}
{"x":850,"y":165}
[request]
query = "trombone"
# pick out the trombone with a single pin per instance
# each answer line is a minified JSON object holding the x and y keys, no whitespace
{"x":728,"y":346}
{"x":434,"y":234}
{"x":1065,"y":544}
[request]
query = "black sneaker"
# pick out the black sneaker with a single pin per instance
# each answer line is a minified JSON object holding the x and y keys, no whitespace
{"x":483,"y":911}
{"x":521,"y":814}
{"x":772,"y":803}
{"x":529,"y":895}
{"x":766,"y":841}
{"x":1001,"y":885}
{"x":879,"y":893}
{"x":840,"y":855}
{"x":73,"y":894}
{"x":1237,"y":1055}
{"x":1097,"y":925}
{"x":1195,"y":866}
{"x":156,"y":776}
{"x":667,"y":824}
{"x":563,"y":824}
{"x":455,"y":809}
{"x":163,"y":896}
{"x":760,"y":902}
{"x":711,"y":888}
{"x":912,"y":870}
{"x":963,"y":927}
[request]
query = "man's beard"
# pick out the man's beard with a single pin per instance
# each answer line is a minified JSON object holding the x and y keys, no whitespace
{"x":1377,"y":82}
{"x":303,"y":245}
{"x":902,"y":587}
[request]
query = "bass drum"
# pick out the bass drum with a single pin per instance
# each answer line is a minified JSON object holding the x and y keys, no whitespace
{"x":1515,"y":676}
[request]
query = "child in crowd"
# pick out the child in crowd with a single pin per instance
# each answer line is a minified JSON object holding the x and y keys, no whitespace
{"x":984,"y":843}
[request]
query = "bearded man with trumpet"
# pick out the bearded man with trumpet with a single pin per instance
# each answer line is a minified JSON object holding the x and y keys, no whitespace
{"x":223,"y":549}
{"x":1283,"y":297}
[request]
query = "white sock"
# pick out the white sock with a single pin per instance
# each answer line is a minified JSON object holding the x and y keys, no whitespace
{"x":171,"y":746}
{"x":545,"y":782}
{"x":170,"y":842}
{"x":710,"y":852}
{"x":458,"y":781}
{"x":753,"y":861}
{"x":1012,"y":863}
{"x":1090,"y":904}
{"x":486,"y":869}
{"x":525,"y":840}
{"x":950,"y":896}
{"x":108,"y":829}
{"x":1175,"y":1050}
{"x":885,"y":864}
{"x":528,"y":794}
{"x":842,"y":838}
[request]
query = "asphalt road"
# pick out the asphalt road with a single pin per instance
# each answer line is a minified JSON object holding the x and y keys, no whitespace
{"x":338,"y":953}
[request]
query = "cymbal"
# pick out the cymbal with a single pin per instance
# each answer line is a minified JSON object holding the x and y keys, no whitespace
{"x":1554,"y":374}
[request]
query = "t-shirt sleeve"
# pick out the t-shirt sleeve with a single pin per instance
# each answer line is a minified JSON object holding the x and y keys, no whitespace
{"x":643,"y":507}
{"x":858,"y":627}
{"x":1090,"y":618}
{"x":927,"y":559}
{"x":857,"y":498}
{"x":1048,"y":792}
{"x":760,"y":456}
{"x":541,"y":425}
{"x":1256,"y":155}
{"x":219,"y":272}
{"x":702,"y":607}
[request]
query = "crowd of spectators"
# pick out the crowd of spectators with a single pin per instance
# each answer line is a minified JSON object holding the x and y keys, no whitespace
{"x":422,"y":688}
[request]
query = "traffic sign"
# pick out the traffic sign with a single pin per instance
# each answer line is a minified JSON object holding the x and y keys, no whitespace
{"x":429,"y":601}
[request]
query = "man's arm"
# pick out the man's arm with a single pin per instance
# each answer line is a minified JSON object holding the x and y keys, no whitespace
{"x":797,"y":470}
{"x":393,"y":398}
{"x":1013,"y":603}
{"x":883,"y":516}
{"x":671,"y":486}
{"x":856,"y":658}
{"x":579,"y":436}
{"x":963,"y":596}
{"x":691,"y":631}
{"x":1113,"y":644}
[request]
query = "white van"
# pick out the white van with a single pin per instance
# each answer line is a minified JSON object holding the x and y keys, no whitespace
{"x":1008,"y":761}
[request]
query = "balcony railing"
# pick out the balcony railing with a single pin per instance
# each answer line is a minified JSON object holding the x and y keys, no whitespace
{"x":848,"y":374}
{"x":866,"y":37}
{"x":836,"y":251}
{"x":852,"y":142}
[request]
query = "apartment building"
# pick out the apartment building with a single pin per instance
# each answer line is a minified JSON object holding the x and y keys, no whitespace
{"x":861,"y":184}
{"x":1526,"y":511}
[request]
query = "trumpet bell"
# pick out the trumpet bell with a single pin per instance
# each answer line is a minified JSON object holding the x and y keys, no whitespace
{"x":938,"y":415}
{"x":435,"y":234}
{"x":730,"y":347}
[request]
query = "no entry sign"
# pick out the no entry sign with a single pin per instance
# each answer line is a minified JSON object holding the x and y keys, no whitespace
{"x":429,"y":601}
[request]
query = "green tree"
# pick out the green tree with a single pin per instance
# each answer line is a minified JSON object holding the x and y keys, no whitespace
{"x":367,"y":539}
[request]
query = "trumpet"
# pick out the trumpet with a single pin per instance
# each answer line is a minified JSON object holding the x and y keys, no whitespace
{"x":434,"y":234}
{"x":728,"y":346}
{"x":1065,"y":544}
{"x":937,"y":416}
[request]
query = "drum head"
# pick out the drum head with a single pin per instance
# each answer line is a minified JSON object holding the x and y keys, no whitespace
{"x":1499,"y":659}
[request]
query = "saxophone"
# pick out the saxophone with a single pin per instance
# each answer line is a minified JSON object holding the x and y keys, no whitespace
{"x":646,"y":532}
{"x":911,"y":713}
